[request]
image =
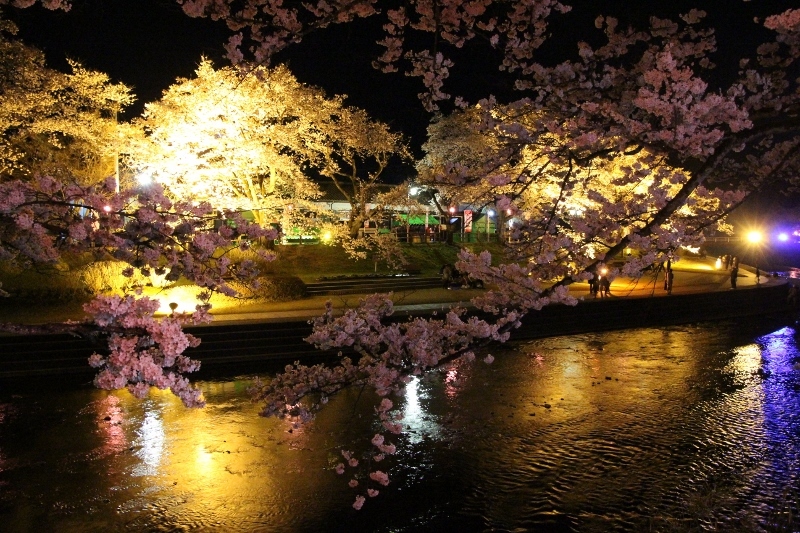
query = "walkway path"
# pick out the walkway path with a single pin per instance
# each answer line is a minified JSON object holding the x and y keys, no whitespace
{"x":692,"y":276}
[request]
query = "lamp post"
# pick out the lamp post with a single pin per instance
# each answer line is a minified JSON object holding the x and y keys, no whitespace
{"x":489,"y":215}
{"x":449,"y":226}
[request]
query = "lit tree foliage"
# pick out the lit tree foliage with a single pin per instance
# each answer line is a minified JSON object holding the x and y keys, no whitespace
{"x":644,"y":107}
{"x":249,"y":139}
{"x":355,"y":152}
{"x":62,"y":125}
{"x":236,"y":140}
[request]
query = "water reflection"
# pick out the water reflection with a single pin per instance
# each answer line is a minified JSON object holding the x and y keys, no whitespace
{"x":150,"y":443}
{"x":652,"y":429}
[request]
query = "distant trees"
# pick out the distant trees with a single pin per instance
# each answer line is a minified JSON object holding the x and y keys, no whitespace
{"x":255,"y":139}
{"x":354,"y":155}
{"x":62,"y":125}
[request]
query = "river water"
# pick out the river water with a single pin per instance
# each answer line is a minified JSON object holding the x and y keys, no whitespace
{"x":686,"y":428}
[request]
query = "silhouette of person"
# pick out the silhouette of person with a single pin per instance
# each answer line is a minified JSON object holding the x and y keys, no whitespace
{"x":448,"y":273}
{"x":605,"y":286}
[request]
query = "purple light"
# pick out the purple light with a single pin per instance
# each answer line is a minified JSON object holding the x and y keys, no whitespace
{"x":783,"y":236}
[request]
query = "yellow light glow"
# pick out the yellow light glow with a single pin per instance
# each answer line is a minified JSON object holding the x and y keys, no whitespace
{"x":754,"y":237}
{"x":326,"y":236}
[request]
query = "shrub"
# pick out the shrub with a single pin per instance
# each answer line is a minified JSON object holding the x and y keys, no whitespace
{"x":56,"y":283}
{"x":106,"y":276}
{"x":273,"y":289}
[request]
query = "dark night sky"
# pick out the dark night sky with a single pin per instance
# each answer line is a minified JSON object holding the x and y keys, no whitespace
{"x":149,"y":43}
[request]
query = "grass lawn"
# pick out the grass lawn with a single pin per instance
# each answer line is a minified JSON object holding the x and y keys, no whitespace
{"x":309,"y":262}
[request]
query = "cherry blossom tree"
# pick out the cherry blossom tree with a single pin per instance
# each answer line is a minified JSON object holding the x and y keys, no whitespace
{"x":635,"y":140}
{"x":63,"y":125}
{"x":354,"y":155}
{"x":237,"y":140}
{"x":254,"y":139}
{"x":44,"y":218}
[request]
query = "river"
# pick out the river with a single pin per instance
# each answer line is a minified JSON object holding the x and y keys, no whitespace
{"x":686,"y":428}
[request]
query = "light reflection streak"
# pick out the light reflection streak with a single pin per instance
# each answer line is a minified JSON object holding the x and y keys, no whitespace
{"x":151,"y":442}
{"x":779,"y":347}
{"x":413,"y":410}
{"x":417,"y":420}
{"x":781,"y":380}
{"x":746,"y":361}
{"x":109,"y":422}
{"x":203,"y":462}
{"x":451,"y":382}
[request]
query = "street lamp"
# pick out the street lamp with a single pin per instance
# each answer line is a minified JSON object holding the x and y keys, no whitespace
{"x":754,"y":237}
{"x":489,"y":215}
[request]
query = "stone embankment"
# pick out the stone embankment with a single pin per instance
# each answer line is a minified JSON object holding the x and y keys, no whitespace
{"x":624,"y":313}
{"x":248,"y":344}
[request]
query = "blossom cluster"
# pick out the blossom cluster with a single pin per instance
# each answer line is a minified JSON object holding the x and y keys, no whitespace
{"x":44,"y":218}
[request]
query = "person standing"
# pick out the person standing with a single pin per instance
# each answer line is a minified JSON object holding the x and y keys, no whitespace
{"x":593,"y":286}
{"x":734,"y":274}
{"x":758,"y":276}
{"x":605,"y":286}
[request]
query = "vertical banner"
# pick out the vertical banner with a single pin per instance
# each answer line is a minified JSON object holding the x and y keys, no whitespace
{"x":468,"y":220}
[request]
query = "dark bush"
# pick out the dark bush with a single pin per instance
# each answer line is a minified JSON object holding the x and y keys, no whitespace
{"x":273,"y":289}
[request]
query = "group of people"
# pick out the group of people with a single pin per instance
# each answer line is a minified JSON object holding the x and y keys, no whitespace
{"x":732,"y":262}
{"x":451,"y":277}
{"x":600,"y":284}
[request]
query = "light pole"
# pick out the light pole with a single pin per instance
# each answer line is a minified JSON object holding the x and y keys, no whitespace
{"x":489,"y":215}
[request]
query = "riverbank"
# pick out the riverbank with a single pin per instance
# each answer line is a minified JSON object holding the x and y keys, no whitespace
{"x":265,"y":334}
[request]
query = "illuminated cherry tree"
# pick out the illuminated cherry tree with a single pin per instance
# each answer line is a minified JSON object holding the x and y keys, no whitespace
{"x":63,"y":125}
{"x":237,"y":141}
{"x":638,"y":140}
{"x":252,"y":139}
{"x":354,"y":156}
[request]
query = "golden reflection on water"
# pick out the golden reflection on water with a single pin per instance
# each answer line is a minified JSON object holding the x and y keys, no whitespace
{"x":554,"y":421}
{"x":109,"y":419}
{"x":196,"y":462}
{"x":746,"y":361}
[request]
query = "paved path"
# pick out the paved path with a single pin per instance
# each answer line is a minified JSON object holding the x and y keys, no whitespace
{"x":691,"y":276}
